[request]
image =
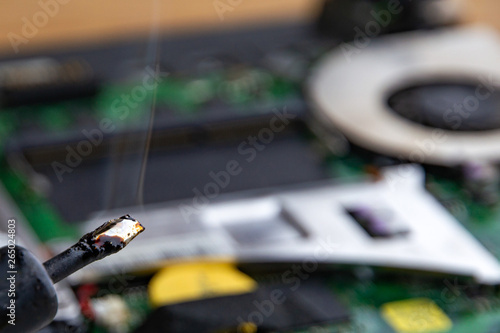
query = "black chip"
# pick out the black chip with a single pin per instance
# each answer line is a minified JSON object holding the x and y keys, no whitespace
{"x":270,"y":308}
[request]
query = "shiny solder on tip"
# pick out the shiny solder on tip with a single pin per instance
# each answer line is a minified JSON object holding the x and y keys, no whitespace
{"x":107,"y":239}
{"x":118,"y":232}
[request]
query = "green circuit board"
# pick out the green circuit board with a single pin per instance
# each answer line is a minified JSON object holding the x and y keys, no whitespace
{"x":469,"y":307}
{"x":186,"y":97}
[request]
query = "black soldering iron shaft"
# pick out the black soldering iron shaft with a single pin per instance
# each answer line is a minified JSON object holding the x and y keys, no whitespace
{"x":68,"y":262}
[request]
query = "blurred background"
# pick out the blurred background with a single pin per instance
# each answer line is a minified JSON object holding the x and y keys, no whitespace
{"x":93,"y":22}
{"x":299,"y":166}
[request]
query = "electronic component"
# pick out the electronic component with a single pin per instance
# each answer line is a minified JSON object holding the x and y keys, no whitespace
{"x":318,"y":226}
{"x":482,"y":180}
{"x":376,"y":235}
{"x":442,"y":105}
{"x":351,"y":92}
{"x":201,"y":149}
{"x":112,"y":312}
{"x":344,"y":19}
{"x":418,"y":315}
{"x":203,"y":302}
{"x":377,"y":222}
{"x":43,"y":80}
{"x":190,"y":281}
{"x":310,"y":305}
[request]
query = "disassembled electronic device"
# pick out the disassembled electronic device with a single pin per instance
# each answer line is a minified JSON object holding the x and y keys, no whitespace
{"x":292,"y":178}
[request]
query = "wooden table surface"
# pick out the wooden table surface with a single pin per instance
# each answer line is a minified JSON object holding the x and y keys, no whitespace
{"x":75,"y":22}
{"x":78,"y":21}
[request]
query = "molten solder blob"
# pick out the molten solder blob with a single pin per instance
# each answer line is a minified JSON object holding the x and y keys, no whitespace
{"x":109,"y":238}
{"x":115,"y":233}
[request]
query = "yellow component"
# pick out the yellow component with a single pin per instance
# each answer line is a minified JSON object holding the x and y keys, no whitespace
{"x":418,"y":315}
{"x":247,"y":328}
{"x":193,"y":281}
